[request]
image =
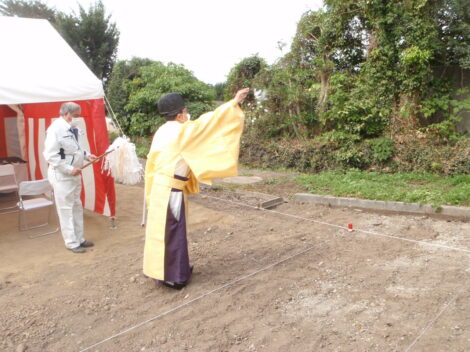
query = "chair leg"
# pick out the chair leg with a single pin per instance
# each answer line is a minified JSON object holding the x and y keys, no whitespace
{"x":45,"y":234}
{"x":23,"y":224}
{"x":19,"y":219}
{"x":13,"y":207}
{"x":22,"y":220}
{"x":8,"y":212}
{"x":48,"y":221}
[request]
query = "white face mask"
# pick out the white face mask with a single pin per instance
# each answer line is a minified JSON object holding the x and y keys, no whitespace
{"x":75,"y":122}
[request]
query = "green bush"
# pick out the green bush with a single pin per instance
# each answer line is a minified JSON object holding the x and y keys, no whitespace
{"x":382,"y":149}
{"x":350,"y":157}
{"x":338,"y":151}
{"x":356,"y":107}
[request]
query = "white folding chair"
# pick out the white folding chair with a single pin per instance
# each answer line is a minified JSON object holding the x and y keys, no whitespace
{"x":8,"y":184}
{"x":43,"y":195}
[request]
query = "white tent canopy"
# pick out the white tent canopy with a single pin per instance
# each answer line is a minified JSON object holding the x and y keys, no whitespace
{"x":37,"y":65}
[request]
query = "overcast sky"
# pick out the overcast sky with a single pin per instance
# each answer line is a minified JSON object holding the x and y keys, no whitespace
{"x":207,"y":36}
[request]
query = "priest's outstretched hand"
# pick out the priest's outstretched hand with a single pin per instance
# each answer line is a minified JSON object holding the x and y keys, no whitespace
{"x":241,"y":95}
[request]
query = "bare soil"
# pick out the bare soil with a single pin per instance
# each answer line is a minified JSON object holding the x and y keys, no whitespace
{"x":252,"y":290}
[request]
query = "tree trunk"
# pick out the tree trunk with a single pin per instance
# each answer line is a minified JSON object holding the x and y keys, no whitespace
{"x":324,"y":88}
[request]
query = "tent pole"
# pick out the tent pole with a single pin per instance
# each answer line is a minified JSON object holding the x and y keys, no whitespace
{"x":144,"y":213}
{"x":113,"y":115}
{"x":113,"y":222}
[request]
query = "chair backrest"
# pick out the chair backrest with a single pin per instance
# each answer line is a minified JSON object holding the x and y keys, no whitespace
{"x":34,"y":188}
{"x":6,"y":170}
{"x":7,"y":176}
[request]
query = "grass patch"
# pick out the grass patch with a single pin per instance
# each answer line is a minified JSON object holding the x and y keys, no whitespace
{"x":272,"y":181}
{"x":423,"y":188}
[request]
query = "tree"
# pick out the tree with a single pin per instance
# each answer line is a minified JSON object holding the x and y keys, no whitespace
{"x":453,"y":21}
{"x":368,"y":68}
{"x":219,"y":89}
{"x":242,"y":75}
{"x":289,"y":101}
{"x":312,"y":49}
{"x":28,"y":8}
{"x":156,"y":80}
{"x":93,"y":37}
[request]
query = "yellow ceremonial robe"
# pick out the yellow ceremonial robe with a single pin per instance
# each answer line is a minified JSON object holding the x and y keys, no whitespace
{"x":210,"y":146}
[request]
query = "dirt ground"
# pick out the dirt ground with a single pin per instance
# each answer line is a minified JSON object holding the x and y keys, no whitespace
{"x":262,"y":282}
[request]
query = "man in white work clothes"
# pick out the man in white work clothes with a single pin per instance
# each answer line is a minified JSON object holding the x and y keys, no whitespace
{"x":65,"y":155}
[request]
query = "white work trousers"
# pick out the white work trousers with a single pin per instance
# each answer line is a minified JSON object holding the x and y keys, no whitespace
{"x":69,"y":206}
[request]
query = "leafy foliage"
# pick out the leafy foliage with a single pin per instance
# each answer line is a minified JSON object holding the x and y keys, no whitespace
{"x":343,"y":151}
{"x":219,"y":89}
{"x":242,"y":75}
{"x":119,"y":88}
{"x":28,"y":8}
{"x":150,"y":84}
{"x":368,"y":84}
{"x":356,"y":107}
{"x":382,"y":149}
{"x":453,"y":19}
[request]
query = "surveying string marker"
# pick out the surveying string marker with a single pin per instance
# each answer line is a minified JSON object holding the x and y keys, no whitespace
{"x":350,"y":227}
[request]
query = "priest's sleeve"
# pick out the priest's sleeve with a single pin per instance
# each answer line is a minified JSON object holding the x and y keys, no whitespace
{"x":210,"y":145}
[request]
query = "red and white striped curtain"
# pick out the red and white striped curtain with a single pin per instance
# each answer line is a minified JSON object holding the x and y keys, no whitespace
{"x":98,"y":192}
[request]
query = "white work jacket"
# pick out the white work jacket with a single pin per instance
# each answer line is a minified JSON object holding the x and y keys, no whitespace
{"x":62,"y":150}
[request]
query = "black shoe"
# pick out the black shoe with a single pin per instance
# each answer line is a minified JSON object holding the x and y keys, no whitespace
{"x":174,"y":285}
{"x":77,"y":249}
{"x":86,"y":244}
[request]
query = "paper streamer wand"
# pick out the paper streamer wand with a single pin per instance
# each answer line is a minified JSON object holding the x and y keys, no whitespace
{"x":97,"y":158}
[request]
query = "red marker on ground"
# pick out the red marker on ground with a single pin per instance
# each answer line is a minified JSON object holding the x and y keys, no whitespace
{"x":350,"y":227}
